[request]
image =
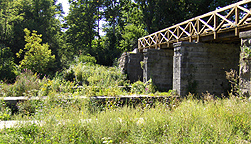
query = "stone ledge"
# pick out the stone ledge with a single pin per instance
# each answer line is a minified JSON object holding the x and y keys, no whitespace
{"x":245,"y":34}
{"x":178,"y":44}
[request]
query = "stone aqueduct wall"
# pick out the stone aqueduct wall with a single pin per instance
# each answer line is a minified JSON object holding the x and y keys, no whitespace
{"x":158,"y":66}
{"x":191,"y":67}
{"x":200,"y":67}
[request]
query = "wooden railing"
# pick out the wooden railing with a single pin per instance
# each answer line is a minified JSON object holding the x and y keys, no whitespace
{"x":230,"y":18}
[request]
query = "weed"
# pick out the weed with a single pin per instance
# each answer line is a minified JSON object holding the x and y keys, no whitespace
{"x":233,"y":79}
{"x":5,"y":111}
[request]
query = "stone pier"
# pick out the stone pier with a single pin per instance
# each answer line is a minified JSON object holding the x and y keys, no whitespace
{"x":129,"y":64}
{"x":245,"y":63}
{"x":201,"y":67}
{"x":158,"y":66}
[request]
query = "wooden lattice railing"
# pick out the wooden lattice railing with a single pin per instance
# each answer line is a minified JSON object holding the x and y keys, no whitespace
{"x":230,"y":18}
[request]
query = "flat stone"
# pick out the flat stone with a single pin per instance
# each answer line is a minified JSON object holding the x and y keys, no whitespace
{"x":245,"y":34}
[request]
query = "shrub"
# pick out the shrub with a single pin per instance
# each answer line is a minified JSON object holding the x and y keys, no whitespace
{"x":26,"y":84}
{"x":138,"y":87}
{"x":5,"y":111}
{"x":29,"y":107}
{"x":143,"y":88}
{"x":37,"y":57}
{"x":56,"y":85}
{"x":94,"y":75}
{"x":86,"y":59}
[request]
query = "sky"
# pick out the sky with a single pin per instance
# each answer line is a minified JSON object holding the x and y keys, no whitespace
{"x":65,"y":5}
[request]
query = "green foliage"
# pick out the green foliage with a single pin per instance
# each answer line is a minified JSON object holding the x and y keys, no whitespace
{"x":130,"y":37}
{"x":37,"y":58}
{"x":139,"y":87}
{"x":246,"y":53}
{"x":8,"y":16}
{"x":95,"y":75}
{"x":55,"y":86}
{"x":7,"y":66}
{"x":96,"y":79}
{"x":29,"y":107}
{"x":81,"y":24}
{"x":150,"y":87}
{"x":5,"y":111}
{"x":233,"y":78}
{"x":85,"y":59}
{"x":42,"y":15}
{"x":160,"y":14}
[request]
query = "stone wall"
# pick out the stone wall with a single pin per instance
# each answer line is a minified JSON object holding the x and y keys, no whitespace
{"x":200,"y":67}
{"x":245,"y":63}
{"x":129,"y":63}
{"x":158,"y":66}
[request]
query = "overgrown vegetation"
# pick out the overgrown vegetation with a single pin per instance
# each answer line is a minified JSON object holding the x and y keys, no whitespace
{"x":65,"y":118}
{"x":189,"y":121}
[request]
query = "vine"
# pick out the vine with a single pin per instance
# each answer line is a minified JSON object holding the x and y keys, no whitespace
{"x":246,"y":53}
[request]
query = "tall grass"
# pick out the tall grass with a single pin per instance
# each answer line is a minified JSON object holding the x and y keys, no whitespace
{"x":191,"y":121}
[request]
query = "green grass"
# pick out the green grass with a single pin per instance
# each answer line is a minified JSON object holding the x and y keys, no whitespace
{"x":189,"y":121}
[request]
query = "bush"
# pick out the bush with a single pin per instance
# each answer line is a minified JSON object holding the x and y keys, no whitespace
{"x":138,"y":87}
{"x":143,"y":88}
{"x":5,"y":111}
{"x":86,"y":59}
{"x":56,"y":85}
{"x":94,"y":75}
{"x":26,"y":84}
{"x":96,"y":79}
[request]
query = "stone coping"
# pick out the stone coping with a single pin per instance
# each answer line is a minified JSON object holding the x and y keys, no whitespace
{"x":23,"y":98}
{"x":245,"y":34}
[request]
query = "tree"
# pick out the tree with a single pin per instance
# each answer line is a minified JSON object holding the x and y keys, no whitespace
{"x":133,"y":28}
{"x":82,"y":23}
{"x":8,"y":16}
{"x":130,"y":37}
{"x":7,"y":65}
{"x":160,"y":14}
{"x":37,"y":58}
{"x":32,"y":14}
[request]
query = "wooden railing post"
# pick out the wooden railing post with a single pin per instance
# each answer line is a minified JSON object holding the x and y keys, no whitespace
{"x":237,"y":16}
{"x":215,"y":26}
{"x":198,"y":30}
